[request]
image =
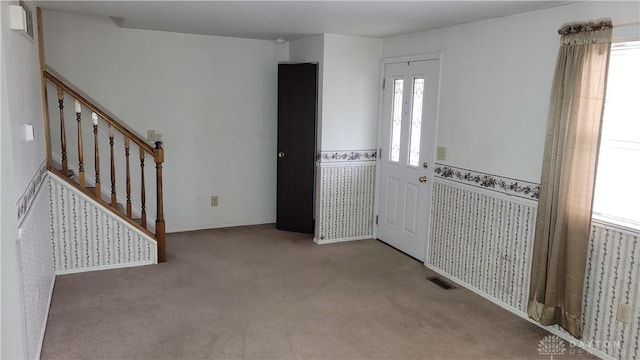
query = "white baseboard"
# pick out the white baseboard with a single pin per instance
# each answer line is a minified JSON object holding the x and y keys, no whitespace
{"x":332,"y":241}
{"x":46,"y":317}
{"x":563,"y":335}
{"x":104,"y":267}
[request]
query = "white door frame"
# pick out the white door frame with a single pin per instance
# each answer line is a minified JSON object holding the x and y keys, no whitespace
{"x":383,"y":63}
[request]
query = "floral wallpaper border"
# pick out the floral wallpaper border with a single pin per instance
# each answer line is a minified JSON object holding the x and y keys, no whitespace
{"x":25,"y":201}
{"x":346,"y":155}
{"x":520,"y":188}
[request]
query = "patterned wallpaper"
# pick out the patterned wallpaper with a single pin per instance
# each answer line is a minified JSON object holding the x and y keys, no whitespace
{"x":482,"y":238}
{"x":87,"y":237}
{"x":612,"y":277}
{"x":37,"y":263}
{"x":346,"y":194}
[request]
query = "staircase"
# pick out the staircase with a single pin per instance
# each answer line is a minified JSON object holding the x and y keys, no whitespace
{"x":111,"y":145}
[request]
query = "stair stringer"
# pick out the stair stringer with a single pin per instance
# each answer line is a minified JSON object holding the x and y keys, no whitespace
{"x":88,"y":237}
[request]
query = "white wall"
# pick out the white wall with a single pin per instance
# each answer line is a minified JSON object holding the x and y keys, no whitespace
{"x":12,"y":333}
{"x":212,"y":98}
{"x":348,"y":88}
{"x":25,"y":106}
{"x":350,"y":92}
{"x":311,"y":50}
{"x":20,"y":164}
{"x":495,"y":84}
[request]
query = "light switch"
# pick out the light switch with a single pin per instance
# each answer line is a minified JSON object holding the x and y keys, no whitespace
{"x":441,"y":153}
{"x":29,"y":132}
{"x":151,"y":135}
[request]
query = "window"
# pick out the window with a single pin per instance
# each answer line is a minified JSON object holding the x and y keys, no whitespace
{"x":416,"y":121}
{"x":617,"y":190}
{"x":396,"y":120}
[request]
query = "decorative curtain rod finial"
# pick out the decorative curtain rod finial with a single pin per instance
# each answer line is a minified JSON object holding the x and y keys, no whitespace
{"x":591,"y":25}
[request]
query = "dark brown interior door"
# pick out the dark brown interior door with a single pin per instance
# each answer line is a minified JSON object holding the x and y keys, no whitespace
{"x":297,"y":94}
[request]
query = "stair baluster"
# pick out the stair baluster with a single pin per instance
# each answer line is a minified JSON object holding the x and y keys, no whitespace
{"x":114,"y":202}
{"x":63,"y":135}
{"x":96,"y":151}
{"x":80,"y":150}
{"x":143,"y":207}
{"x":160,"y":226}
{"x":126,"y":154}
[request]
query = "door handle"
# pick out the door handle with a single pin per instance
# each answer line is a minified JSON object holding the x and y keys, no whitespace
{"x":281,"y":154}
{"x":422,"y":179}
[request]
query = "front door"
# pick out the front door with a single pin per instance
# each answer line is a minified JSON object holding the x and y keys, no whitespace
{"x":407,"y":152}
{"x":297,"y":93}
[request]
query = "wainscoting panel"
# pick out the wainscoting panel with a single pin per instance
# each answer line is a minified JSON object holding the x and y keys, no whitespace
{"x":88,"y":237}
{"x":612,"y":277}
{"x":37,"y":262}
{"x":482,"y":234}
{"x":483,"y":239}
{"x":345,"y":199}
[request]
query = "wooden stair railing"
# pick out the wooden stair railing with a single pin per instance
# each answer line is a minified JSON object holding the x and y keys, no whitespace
{"x":97,"y":115}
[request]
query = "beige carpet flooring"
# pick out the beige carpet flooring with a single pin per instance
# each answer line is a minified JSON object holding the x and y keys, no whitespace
{"x":256,"y":292}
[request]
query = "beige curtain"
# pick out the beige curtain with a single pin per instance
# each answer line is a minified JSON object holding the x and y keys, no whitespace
{"x":568,"y":175}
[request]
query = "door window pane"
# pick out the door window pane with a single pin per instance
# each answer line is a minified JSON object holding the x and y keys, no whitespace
{"x":416,"y":122}
{"x":396,"y":120}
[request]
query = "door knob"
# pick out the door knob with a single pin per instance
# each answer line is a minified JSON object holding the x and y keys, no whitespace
{"x":281,"y":154}
{"x":425,"y":164}
{"x":422,"y":179}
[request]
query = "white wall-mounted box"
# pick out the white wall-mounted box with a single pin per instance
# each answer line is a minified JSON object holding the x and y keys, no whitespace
{"x":18,"y":18}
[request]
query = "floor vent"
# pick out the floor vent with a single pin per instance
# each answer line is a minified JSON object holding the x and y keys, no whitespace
{"x":443,"y":284}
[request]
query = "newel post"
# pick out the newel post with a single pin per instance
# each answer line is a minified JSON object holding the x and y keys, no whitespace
{"x":158,"y":152}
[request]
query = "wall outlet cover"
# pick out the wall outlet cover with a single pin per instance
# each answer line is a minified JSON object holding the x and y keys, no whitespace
{"x":624,"y":313}
{"x":29,"y":133}
{"x":214,"y":200}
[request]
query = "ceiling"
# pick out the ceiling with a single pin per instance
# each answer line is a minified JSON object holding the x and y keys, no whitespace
{"x":291,"y":20}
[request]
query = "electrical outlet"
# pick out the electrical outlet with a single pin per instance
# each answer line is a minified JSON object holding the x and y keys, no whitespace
{"x":151,"y":135}
{"x":441,"y":153}
{"x":624,"y":313}
{"x":214,"y":200}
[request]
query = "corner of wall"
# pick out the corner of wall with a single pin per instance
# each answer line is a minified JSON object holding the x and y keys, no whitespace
{"x":13,"y":334}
